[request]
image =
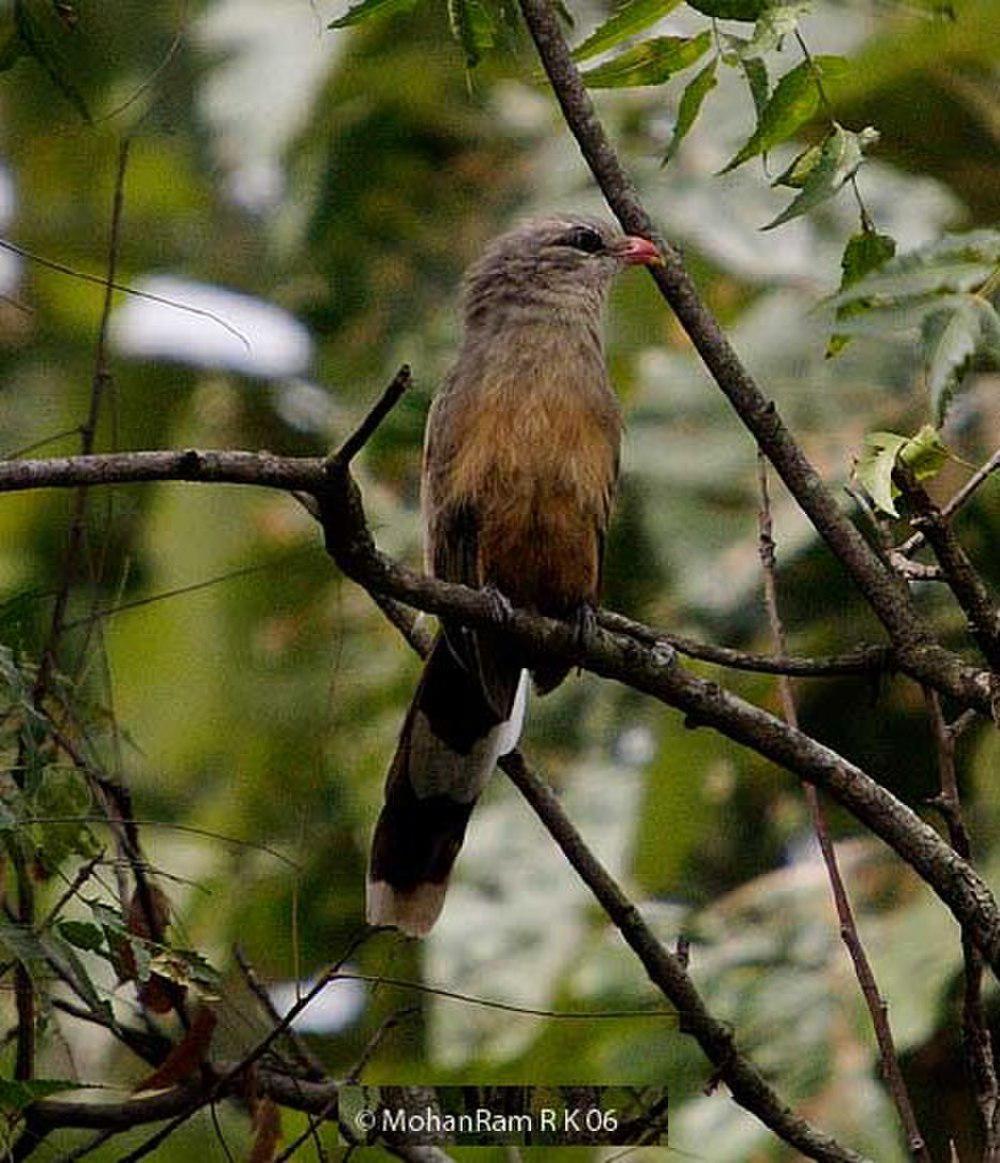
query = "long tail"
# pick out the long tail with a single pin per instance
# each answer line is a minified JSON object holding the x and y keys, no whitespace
{"x":450,"y":742}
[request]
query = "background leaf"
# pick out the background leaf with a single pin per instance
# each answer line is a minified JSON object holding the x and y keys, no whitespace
{"x":794,"y":101}
{"x":773,"y":25}
{"x":729,"y":9}
{"x":691,"y":101}
{"x":368,"y":8}
{"x":650,"y":63}
{"x":824,"y":173}
{"x":631,"y":18}
{"x":473,"y":27}
{"x":865,"y":252}
{"x":874,"y":469}
{"x":964,"y":332}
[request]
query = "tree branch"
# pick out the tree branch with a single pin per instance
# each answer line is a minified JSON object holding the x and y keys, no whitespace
{"x":654,"y":670}
{"x":969,"y":589}
{"x":887,"y":594}
{"x":650,"y":667}
{"x":928,"y":663}
{"x":912,"y":544}
{"x":666,"y":971}
{"x":977,"y":1040}
{"x":878,"y":1011}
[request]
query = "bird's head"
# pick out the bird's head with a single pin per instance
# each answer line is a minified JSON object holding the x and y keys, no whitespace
{"x":562,"y":264}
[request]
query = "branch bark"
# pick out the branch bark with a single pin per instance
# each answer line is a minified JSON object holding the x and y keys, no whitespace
{"x":655,"y":670}
{"x":929,"y":663}
{"x":970,"y":591}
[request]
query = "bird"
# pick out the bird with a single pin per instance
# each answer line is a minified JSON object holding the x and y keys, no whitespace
{"x":520,"y":468}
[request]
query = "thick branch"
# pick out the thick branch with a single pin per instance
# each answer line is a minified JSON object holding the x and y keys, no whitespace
{"x":655,"y":671}
{"x":928,"y":662}
{"x":667,"y":971}
{"x":885,"y":593}
{"x":210,"y":467}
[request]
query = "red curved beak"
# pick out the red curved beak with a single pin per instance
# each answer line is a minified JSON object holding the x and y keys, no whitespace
{"x":635,"y":251}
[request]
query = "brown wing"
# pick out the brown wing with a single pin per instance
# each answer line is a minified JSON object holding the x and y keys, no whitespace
{"x":452,"y":552}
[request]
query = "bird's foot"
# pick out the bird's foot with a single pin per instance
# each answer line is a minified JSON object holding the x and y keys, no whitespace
{"x":586,"y":628}
{"x":500,"y":608}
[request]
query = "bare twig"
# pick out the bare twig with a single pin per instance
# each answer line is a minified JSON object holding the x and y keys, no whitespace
{"x":861,"y":660}
{"x":307,"y":1060}
{"x":88,"y":432}
{"x":914,"y":542}
{"x":970,"y":591}
{"x":227,"y":1079}
{"x":665,"y":970}
{"x":342,"y":458}
{"x":976,"y":1038}
{"x":877,"y":1008}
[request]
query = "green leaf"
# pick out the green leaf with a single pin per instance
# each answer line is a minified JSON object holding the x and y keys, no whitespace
{"x":650,"y":63}
{"x":755,"y":72}
{"x":874,"y":469}
{"x":368,"y":8}
{"x":773,"y":25}
{"x":955,"y":263}
{"x":865,"y":252}
{"x":822,"y":175}
{"x":473,"y":28}
{"x":691,"y":102}
{"x":15,"y":1096}
{"x":797,"y":174}
{"x":794,"y":101}
{"x":729,"y":9}
{"x":62,"y":795}
{"x":633,"y":17}
{"x":82,"y":935}
{"x":963,"y":334}
{"x":923,"y":453}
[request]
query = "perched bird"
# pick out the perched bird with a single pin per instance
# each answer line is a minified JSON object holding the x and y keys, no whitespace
{"x":520,"y":466}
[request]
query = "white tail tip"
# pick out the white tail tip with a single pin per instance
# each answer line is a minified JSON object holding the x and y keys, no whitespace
{"x":414,"y":912}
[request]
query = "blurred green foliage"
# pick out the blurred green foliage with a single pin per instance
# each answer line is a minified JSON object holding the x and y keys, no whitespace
{"x":348,"y":177}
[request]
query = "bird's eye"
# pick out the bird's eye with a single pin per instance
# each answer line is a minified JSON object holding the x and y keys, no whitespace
{"x":583,"y":238}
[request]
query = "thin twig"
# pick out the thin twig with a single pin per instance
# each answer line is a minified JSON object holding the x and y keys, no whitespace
{"x":342,"y":458}
{"x":226,"y":1080}
{"x":746,"y":1083}
{"x":918,"y":539}
{"x":307,"y":1059}
{"x":976,"y":1037}
{"x":375,"y":1041}
{"x":877,"y":1008}
{"x":506,"y":1007}
{"x":971,"y":592}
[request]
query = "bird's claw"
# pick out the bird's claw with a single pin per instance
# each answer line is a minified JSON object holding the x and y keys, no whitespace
{"x":500,"y":608}
{"x":586,"y":628}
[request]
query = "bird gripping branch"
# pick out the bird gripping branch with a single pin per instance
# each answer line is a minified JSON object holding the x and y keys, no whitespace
{"x":520,"y":466}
